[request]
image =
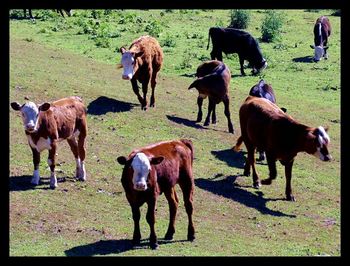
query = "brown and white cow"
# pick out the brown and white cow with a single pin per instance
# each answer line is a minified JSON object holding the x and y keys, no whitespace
{"x":142,"y":63}
{"x":213,"y":81}
{"x":265,"y":126}
{"x":154,"y":169}
{"x":47,"y":124}
{"x":322,"y":30}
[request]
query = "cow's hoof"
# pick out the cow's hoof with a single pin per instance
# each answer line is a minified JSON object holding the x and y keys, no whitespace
{"x":267,"y":181}
{"x":154,"y":246}
{"x":231,"y":131}
{"x":290,"y":198}
{"x":191,"y":238}
{"x":246,"y":173}
{"x":206,"y":124}
{"x":257,"y":185}
{"x":135,"y":242}
{"x":53,"y":186}
{"x":168,"y":236}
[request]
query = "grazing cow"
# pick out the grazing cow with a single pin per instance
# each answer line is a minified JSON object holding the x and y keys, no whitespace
{"x":47,"y":124}
{"x":229,"y":40}
{"x":322,"y":30}
{"x":154,"y":169}
{"x":265,"y":126}
{"x":213,"y":80}
{"x":263,"y":90}
{"x":142,"y":63}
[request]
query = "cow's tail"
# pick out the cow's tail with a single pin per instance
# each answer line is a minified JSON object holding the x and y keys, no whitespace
{"x":195,"y":83}
{"x":208,"y":39}
{"x":239,"y":142}
{"x":189,"y":144}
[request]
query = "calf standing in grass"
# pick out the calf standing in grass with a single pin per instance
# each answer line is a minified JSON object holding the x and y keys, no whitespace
{"x":213,"y":80}
{"x":47,"y":124}
{"x":154,"y":169}
{"x":142,"y":63}
{"x":265,"y":126}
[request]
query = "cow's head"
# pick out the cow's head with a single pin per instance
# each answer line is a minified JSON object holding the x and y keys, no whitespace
{"x":321,"y":141}
{"x":30,"y":114}
{"x":129,"y":63}
{"x":141,"y":166}
{"x":260,"y":66}
{"x":319,"y":52}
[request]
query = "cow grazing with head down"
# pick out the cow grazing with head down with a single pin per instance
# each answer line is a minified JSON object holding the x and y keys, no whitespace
{"x":142,"y":63}
{"x":262,"y":90}
{"x":154,"y":169}
{"x":213,"y":81}
{"x":47,"y":124}
{"x":265,"y":126}
{"x":229,"y":40}
{"x":322,"y":30}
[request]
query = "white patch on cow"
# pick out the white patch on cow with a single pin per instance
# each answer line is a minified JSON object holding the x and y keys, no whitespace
{"x":43,"y":144}
{"x":128,"y":62}
{"x":325,"y":137}
{"x":36,"y":177}
{"x":319,"y":51}
{"x":323,"y":140}
{"x":319,"y":30}
{"x":30,"y":114}
{"x":141,"y":166}
{"x":53,"y":180}
{"x":82,"y":172}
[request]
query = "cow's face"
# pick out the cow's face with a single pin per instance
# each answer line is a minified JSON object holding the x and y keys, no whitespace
{"x":318,"y":53}
{"x":322,"y":141}
{"x":260,"y":67}
{"x":30,"y":114}
{"x":129,"y":63}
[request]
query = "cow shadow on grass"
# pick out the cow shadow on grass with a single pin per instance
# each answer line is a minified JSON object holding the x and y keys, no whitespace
{"x":230,"y":190}
{"x":184,"y":121}
{"x":103,"y":105}
{"x":22,"y":183}
{"x":230,"y":157}
{"x":305,"y":59}
{"x":106,"y":247}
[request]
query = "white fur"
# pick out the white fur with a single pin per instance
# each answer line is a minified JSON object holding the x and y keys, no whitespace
{"x":42,"y":144}
{"x":325,"y":137}
{"x":30,"y":113}
{"x":128,"y":65}
{"x":82,"y":172}
{"x":36,"y":177}
{"x":319,"y":51}
{"x":53,"y":180}
{"x":141,"y":166}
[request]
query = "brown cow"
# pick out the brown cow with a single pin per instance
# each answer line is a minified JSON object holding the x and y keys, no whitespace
{"x":142,"y":63}
{"x":47,"y":124}
{"x":322,"y":30}
{"x":265,"y":126}
{"x":213,"y":80}
{"x":154,"y":169}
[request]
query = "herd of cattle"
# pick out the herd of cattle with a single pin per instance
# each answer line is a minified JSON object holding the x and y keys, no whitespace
{"x":154,"y":169}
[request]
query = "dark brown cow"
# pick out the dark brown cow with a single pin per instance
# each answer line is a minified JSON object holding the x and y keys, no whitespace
{"x":142,"y":63}
{"x":213,"y":81}
{"x":47,"y":124}
{"x":154,"y":169}
{"x":265,"y":126}
{"x":322,"y":30}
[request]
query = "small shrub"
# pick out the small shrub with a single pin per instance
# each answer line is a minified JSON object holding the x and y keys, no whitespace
{"x":169,"y":41}
{"x":271,"y":26}
{"x":239,"y":19}
{"x":154,"y":28}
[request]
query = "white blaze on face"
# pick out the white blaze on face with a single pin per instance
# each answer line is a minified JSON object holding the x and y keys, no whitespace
{"x":141,"y":167}
{"x":319,"y":51}
{"x":128,"y":62}
{"x":322,"y":150}
{"x":30,"y":114}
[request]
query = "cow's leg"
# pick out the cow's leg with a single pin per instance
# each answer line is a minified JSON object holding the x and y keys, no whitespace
{"x":241,"y":62}
{"x":144,"y":91}
{"x":74,"y":147}
{"x":271,"y":161}
{"x":261,"y":155}
{"x":187,"y":186}
{"x":52,"y":163}
{"x":288,"y":172}
{"x":228,"y":114}
{"x":173,"y":205}
{"x":200,"y":113}
{"x":153,"y":86}
{"x":211,"y":105}
{"x":36,"y":161}
{"x":82,"y":150}
{"x":135,"y":88}
{"x":150,"y":217}
{"x":251,"y":161}
{"x":136,"y":214}
{"x":213,"y":114}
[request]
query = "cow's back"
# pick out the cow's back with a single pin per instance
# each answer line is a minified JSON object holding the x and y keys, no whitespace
{"x":230,"y":40}
{"x":152,"y":52}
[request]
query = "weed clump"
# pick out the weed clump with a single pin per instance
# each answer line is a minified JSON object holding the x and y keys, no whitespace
{"x":239,"y":19}
{"x":271,"y":26}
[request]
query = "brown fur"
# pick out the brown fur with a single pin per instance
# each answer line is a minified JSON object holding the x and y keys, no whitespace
{"x":265,"y":126}
{"x":176,"y":168}
{"x":213,"y":82}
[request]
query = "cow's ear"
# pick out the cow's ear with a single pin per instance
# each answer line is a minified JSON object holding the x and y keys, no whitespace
{"x":261,"y":83}
{"x":312,"y":46}
{"x":44,"y":107}
{"x":122,"y":50}
{"x":156,"y":160}
{"x":138,"y":54}
{"x":325,"y":48}
{"x":122,"y":160}
{"x":16,"y":106}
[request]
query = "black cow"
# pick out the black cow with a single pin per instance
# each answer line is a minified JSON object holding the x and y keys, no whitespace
{"x":322,"y":30}
{"x":229,"y":40}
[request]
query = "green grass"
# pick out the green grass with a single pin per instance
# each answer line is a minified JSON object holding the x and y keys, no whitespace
{"x":231,"y":217}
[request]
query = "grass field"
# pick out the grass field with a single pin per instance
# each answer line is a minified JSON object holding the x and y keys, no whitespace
{"x":55,"y":57}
